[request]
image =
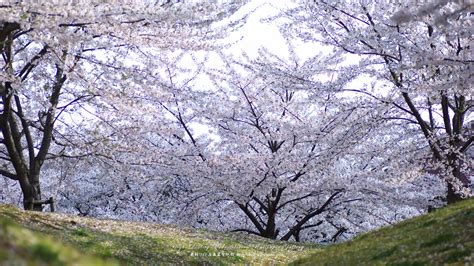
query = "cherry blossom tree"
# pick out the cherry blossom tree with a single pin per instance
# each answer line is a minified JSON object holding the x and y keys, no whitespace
{"x":278,"y":160}
{"x":107,"y":105}
{"x":59,"y":58}
{"x":419,"y":58}
{"x":169,"y":171}
{"x":270,"y":160}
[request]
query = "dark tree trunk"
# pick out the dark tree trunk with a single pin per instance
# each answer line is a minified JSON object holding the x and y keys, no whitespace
{"x":453,"y":196}
{"x":440,"y":146}
{"x":31,"y":190}
{"x":31,"y":197}
{"x":270,"y":231}
{"x":23,"y":154}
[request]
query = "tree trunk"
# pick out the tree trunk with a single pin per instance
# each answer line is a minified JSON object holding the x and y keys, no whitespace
{"x":270,"y":231}
{"x":30,"y":198}
{"x":31,"y":189}
{"x":452,"y":196}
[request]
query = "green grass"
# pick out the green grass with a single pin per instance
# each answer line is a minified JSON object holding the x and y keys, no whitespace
{"x":20,"y":246}
{"x":445,"y":236}
{"x":134,"y":243}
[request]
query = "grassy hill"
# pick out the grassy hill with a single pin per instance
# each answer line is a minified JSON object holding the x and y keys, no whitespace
{"x":31,"y":237}
{"x":445,"y":236}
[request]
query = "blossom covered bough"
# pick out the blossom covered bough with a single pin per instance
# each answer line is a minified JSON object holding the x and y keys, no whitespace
{"x":420,"y":54}
{"x":59,"y":58}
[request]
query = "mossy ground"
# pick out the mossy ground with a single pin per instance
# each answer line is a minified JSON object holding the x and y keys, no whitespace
{"x":445,"y":236}
{"x":134,"y":243}
{"x":20,"y":246}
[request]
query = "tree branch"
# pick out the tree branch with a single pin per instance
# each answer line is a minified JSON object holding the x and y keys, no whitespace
{"x":252,"y":217}
{"x":50,"y":117}
{"x":446,"y":119}
{"x":467,"y":144}
{"x":30,"y":65}
{"x":26,"y":130}
{"x":8,"y":174}
{"x":295,"y":199}
{"x":310,"y":215}
{"x":247,"y":231}
{"x":422,"y":124}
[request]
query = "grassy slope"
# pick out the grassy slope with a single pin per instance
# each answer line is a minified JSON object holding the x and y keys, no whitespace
{"x":20,"y":246}
{"x":443,"y":237}
{"x":129,"y":242}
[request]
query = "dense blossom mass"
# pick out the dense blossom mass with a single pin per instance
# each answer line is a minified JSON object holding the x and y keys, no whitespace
{"x":145,"y":111}
{"x":423,"y":53}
